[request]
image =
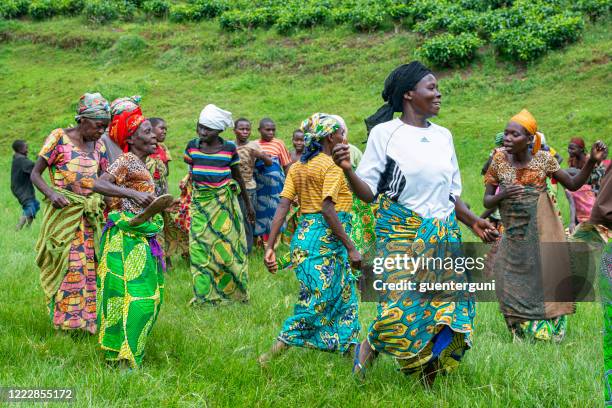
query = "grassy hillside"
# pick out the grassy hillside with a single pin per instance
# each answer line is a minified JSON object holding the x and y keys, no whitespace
{"x":206,"y":357}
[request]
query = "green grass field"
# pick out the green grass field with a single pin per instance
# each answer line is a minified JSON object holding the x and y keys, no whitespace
{"x":207,"y":356}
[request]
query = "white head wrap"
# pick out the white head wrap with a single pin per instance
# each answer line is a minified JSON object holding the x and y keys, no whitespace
{"x":215,"y":118}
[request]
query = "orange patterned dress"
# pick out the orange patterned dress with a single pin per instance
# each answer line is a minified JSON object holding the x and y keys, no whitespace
{"x":72,"y":169}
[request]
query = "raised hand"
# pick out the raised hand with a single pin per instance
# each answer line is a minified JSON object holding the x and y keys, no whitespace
{"x":342,"y":157}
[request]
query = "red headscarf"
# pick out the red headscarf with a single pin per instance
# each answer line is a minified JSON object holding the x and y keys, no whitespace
{"x":578,"y":141}
{"x":125,"y":120}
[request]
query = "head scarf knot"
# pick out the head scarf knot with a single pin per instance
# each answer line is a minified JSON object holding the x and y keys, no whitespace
{"x":92,"y":106}
{"x":526,"y":120}
{"x":126,"y":117}
{"x":316,"y":128}
{"x":401,"y":80}
{"x":216,"y":118}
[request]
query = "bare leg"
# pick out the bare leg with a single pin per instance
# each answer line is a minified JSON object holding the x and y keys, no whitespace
{"x":22,"y":220}
{"x":277,"y":348}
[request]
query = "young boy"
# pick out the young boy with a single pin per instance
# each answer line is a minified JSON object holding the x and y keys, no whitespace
{"x":269,"y":178}
{"x":21,"y":186}
{"x":298,"y":145}
{"x":248,"y":152}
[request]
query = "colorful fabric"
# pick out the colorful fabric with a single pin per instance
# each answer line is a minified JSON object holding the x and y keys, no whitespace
{"x":276,"y":148}
{"x":217,"y":245}
{"x":247,"y":163}
{"x":316,"y":128}
{"x":126,"y":117}
{"x":176,"y":241}
{"x":130,"y":286}
{"x":248,"y":227}
{"x":499,"y":139}
{"x":312,"y":182}
{"x":526,"y":120}
{"x":411,"y":326}
{"x":584,"y":199}
{"x":130,"y":172}
{"x":216,"y":118}
{"x":92,"y":106}
{"x":69,"y":236}
{"x":363,"y":234}
{"x":65,"y":256}
{"x":157,"y":164}
{"x":71,"y":168}
{"x":270,"y":181}
{"x":605,"y":288}
{"x":183,"y":218}
{"x":529,"y":220}
{"x":211,"y":169}
{"x":578,"y":141}
{"x":325,"y":315}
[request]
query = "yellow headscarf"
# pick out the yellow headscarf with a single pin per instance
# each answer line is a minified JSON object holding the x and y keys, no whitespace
{"x":526,"y":120}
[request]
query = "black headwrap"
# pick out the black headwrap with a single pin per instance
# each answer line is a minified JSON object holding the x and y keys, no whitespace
{"x":403,"y":79}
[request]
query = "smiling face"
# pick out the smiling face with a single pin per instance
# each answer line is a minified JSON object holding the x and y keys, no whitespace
{"x":242,"y":131}
{"x":207,"y":135}
{"x":160,"y":130}
{"x":516,"y":138}
{"x":574,"y":150}
{"x":144,"y":139}
{"x":92,"y":129}
{"x":267,"y":130}
{"x":425,"y":99}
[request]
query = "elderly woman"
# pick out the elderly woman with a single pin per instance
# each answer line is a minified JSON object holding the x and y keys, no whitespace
{"x":411,"y":166}
{"x":72,"y":218}
{"x":326,"y":313}
{"x":130,"y":285}
{"x":217,"y":241}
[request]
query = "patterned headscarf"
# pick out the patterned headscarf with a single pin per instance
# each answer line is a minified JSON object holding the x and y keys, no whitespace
{"x":526,"y":120}
{"x":126,"y":117}
{"x":316,"y":128}
{"x":92,"y":106}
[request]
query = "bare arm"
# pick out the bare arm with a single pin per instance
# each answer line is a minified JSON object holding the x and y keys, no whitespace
{"x":572,"y":206}
{"x":481,"y":227}
{"x":598,"y":152}
{"x":58,"y":200}
{"x":105,"y":185}
{"x":342,"y":158}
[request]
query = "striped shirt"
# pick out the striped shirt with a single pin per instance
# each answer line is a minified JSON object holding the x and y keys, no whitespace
{"x":211,"y":169}
{"x":276,"y":148}
{"x":312,"y":182}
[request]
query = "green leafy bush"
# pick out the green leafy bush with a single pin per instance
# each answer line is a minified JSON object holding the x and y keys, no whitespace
{"x":156,"y":8}
{"x":180,"y":13}
{"x":204,"y":9}
{"x":366,"y":18}
{"x":71,"y":7}
{"x":560,"y":30}
{"x":518,"y":44}
{"x":14,"y":8}
{"x":594,"y":9}
{"x":232,"y":20}
{"x":42,"y":9}
{"x":302,"y":16}
{"x":100,"y":11}
{"x":449,"y":50}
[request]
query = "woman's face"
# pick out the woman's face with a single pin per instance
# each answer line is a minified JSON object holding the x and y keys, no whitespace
{"x":242,"y":131}
{"x":337,"y":137}
{"x":92,"y":129}
{"x":298,"y":141}
{"x":516,"y":138}
{"x":144,"y":140}
{"x":425,"y":98}
{"x":207,"y":135}
{"x":574,"y":150}
{"x":160,"y":131}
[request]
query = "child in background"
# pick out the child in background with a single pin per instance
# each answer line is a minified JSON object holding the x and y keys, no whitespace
{"x":157,"y":163}
{"x":298,"y":145}
{"x":248,"y":152}
{"x":270,"y":179}
{"x":21,"y":186}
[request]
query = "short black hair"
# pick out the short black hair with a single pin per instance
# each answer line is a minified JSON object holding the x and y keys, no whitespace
{"x":19,"y":145}
{"x":156,"y":121}
{"x":265,"y":121}
{"x":297,"y":131}
{"x":241,"y":120}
